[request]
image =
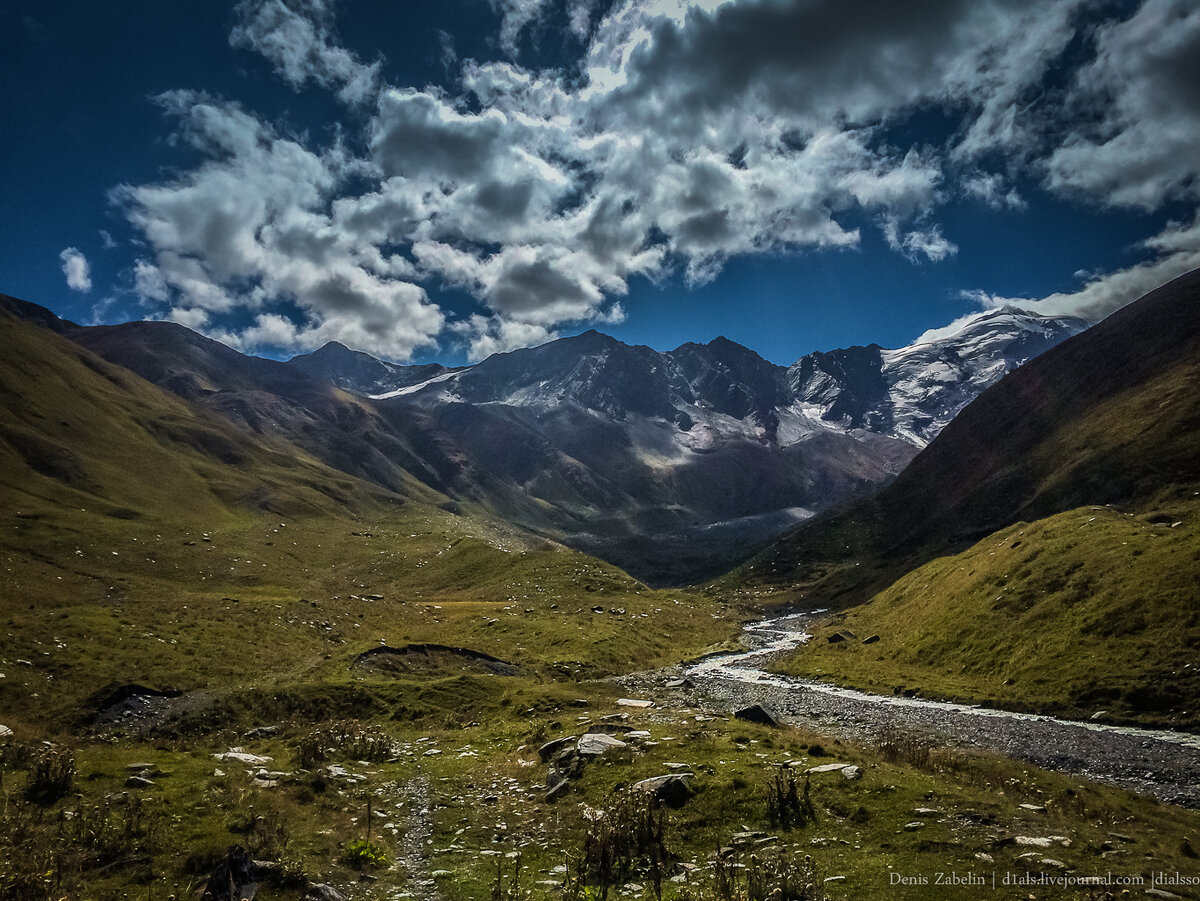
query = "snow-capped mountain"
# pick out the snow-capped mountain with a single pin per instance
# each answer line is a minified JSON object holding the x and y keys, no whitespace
{"x":696,"y":454}
{"x":701,"y":393}
{"x":912,"y":393}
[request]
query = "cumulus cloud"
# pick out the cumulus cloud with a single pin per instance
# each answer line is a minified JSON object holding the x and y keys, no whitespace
{"x":688,"y":133}
{"x":298,"y":37}
{"x":75,"y":268}
{"x":1144,"y":84}
{"x":927,"y":242}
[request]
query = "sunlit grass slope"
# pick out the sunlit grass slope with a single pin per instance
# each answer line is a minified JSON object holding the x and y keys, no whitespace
{"x":1089,"y":610}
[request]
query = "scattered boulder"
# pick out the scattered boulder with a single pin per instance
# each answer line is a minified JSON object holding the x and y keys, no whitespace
{"x":551,"y":748}
{"x":323,"y":892}
{"x":926,"y":812}
{"x":138,"y":782}
{"x":842,"y":635}
{"x":829,"y":768}
{"x":914,"y":826}
{"x":674,"y":789}
{"x":851,"y":773}
{"x":633,"y":702}
{"x":1037,"y":841}
{"x":871,"y":639}
{"x":757,"y":713}
{"x":5,"y":732}
{"x":235,"y":878}
{"x":558,"y":790}
{"x":594,"y":744}
{"x":240,"y":756}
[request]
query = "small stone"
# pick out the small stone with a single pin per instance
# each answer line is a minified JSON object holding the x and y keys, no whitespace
{"x":984,"y":856}
{"x":913,"y":826}
{"x":558,"y":791}
{"x":138,"y":782}
{"x":871,"y":640}
{"x":835,"y":878}
{"x":1036,"y":808}
{"x":240,"y":756}
{"x":633,"y":702}
{"x":851,"y":773}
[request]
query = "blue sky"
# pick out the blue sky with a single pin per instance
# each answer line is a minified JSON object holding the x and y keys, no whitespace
{"x":445,"y":180}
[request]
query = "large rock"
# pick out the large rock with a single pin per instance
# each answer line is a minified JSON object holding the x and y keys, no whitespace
{"x":235,"y":878}
{"x":829,"y":768}
{"x":240,"y":756}
{"x":551,"y":748}
{"x":323,"y":892}
{"x":673,"y":789}
{"x":593,"y":744}
{"x":5,"y":732}
{"x":757,"y":713}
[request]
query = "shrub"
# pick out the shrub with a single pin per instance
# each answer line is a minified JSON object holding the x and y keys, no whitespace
{"x":347,"y":741}
{"x":786,"y":805}
{"x":52,"y":773}
{"x":626,"y":837}
{"x":780,"y":877}
{"x":361,"y":854}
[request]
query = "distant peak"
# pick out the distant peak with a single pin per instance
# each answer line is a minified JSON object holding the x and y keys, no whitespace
{"x":334,"y":347}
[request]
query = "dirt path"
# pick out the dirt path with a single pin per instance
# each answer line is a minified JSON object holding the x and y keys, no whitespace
{"x":1162,"y":764}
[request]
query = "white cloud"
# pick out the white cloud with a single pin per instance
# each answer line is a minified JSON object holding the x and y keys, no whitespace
{"x":992,"y":189}
{"x":1176,"y":251}
{"x":297,"y":36}
{"x":75,"y":268}
{"x":1139,"y":101}
{"x":691,"y":133}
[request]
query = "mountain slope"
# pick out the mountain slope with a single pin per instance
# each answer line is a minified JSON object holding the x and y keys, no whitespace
{"x":353,"y":370}
{"x":993,"y":567}
{"x":674,"y":465}
{"x":1092,"y":613}
{"x":1109,"y":416}
{"x":78,"y":432}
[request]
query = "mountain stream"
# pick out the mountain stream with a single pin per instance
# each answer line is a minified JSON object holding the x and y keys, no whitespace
{"x":1161,"y":763}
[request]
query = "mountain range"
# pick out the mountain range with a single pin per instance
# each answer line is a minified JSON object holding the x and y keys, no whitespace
{"x":672,"y":465}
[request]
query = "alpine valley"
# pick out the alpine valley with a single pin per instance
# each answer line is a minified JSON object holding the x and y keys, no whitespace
{"x":338,"y":627}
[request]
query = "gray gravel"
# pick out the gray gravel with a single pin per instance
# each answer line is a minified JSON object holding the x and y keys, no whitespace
{"x":1163,"y":764}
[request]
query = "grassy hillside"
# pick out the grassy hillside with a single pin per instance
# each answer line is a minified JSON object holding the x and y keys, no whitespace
{"x":145,"y":541}
{"x":1089,"y":610}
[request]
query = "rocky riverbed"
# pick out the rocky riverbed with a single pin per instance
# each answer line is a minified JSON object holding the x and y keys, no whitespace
{"x":1160,"y":763}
